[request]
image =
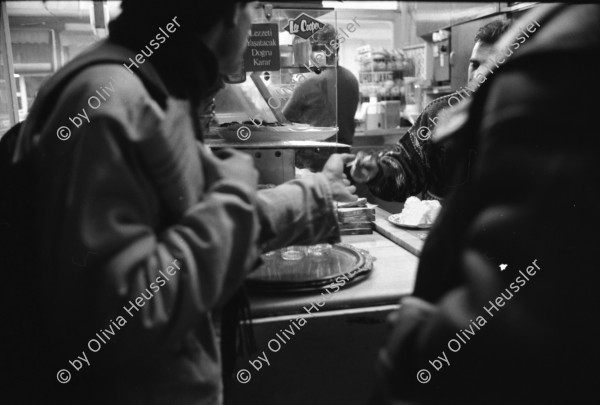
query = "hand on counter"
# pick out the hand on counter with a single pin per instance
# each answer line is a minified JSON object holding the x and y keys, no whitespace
{"x":364,"y":167}
{"x":334,"y":172}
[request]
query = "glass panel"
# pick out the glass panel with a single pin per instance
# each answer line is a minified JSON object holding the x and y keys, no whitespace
{"x":6,"y":110}
{"x":290,"y":84}
{"x":5,"y":122}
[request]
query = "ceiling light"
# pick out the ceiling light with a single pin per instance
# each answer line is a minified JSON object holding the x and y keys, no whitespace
{"x":368,"y":5}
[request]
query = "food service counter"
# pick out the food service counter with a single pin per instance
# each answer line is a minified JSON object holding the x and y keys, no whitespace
{"x":395,"y":251}
{"x":330,"y":358}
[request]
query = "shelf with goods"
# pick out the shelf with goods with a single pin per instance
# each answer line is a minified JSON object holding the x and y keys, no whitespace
{"x":385,"y":85}
{"x":382,"y":72}
{"x":382,"y":76}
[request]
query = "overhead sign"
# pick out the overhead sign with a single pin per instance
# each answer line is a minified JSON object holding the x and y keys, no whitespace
{"x":304,"y":26}
{"x":262,"y":53}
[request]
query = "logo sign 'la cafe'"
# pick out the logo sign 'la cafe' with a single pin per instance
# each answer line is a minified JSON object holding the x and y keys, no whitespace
{"x":304,"y":26}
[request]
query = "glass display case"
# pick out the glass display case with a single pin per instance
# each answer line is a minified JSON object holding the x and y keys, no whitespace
{"x":281,"y":107}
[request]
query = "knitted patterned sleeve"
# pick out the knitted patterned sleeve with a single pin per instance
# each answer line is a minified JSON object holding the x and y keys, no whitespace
{"x":409,"y":167}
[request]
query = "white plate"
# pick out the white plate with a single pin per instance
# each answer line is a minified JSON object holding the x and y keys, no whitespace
{"x":296,"y":132}
{"x":394,"y":219}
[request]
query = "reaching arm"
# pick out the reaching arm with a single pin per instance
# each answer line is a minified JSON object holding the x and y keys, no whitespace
{"x":413,"y":165}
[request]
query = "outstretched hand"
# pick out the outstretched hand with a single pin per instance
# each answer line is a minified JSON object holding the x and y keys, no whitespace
{"x":365,"y":168}
{"x":333,"y":170}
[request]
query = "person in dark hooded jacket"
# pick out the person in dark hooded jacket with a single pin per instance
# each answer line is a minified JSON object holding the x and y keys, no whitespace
{"x":505,"y":301}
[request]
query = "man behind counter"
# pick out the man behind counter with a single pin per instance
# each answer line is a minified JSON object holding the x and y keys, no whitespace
{"x":134,"y":193}
{"x":416,"y":166}
{"x":314,"y":100}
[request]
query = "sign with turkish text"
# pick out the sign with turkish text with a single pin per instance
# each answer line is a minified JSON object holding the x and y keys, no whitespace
{"x":262,"y":53}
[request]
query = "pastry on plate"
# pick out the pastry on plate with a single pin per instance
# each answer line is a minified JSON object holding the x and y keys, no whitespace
{"x":417,"y":213}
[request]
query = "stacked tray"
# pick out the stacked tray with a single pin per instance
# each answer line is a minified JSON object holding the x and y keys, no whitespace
{"x":311,"y":272}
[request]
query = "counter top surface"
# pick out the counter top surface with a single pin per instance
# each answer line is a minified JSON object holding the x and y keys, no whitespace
{"x":410,"y":239}
{"x":392,"y":277}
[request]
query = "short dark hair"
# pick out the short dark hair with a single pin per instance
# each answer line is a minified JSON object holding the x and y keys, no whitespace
{"x":325,"y":35}
{"x":492,"y":31}
{"x":325,"y":38}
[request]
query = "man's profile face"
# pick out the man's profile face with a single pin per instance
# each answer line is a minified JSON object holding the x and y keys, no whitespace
{"x":480,"y":61}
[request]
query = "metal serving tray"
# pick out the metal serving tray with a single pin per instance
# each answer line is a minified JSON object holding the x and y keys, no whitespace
{"x":311,"y":273}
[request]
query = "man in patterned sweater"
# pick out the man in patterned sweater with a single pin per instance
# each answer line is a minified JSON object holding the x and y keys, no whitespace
{"x":416,"y":165}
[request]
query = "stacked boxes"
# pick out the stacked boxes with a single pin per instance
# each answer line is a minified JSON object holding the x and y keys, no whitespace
{"x":356,"y":218}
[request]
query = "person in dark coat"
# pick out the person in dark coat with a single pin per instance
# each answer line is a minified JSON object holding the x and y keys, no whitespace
{"x":505,"y":301}
{"x":140,"y":234}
